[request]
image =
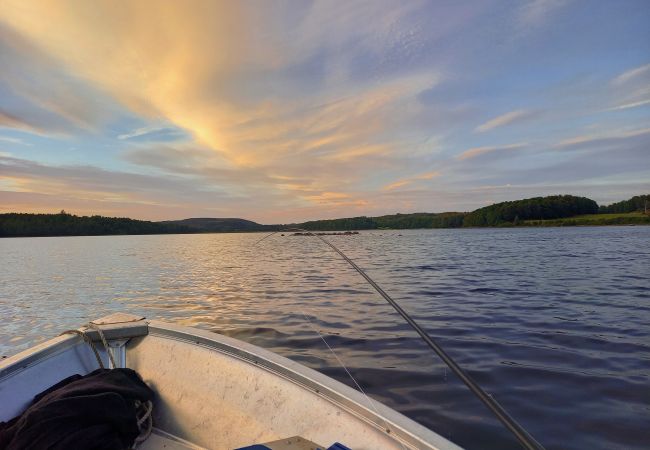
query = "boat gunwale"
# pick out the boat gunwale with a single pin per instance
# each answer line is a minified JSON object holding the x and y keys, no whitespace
{"x":14,"y":364}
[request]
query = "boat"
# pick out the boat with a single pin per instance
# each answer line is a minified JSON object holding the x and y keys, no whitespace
{"x":215,"y":392}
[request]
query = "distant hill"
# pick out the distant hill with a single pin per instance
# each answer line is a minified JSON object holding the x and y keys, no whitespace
{"x":209,"y":224}
{"x":63,"y":224}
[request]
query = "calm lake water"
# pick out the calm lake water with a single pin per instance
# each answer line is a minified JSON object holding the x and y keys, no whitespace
{"x":554,"y":322}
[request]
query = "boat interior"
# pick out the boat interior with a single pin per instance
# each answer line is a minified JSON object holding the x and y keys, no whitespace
{"x":215,"y":392}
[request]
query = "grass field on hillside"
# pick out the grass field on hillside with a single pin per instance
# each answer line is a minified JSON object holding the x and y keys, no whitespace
{"x":634,"y":218}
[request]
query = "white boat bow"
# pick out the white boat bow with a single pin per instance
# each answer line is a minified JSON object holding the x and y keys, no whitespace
{"x":216,"y":392}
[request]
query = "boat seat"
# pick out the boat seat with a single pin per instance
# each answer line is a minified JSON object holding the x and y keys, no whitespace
{"x":159,"y":440}
{"x":293,"y":443}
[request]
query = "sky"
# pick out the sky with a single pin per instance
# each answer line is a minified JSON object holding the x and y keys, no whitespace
{"x":285,"y":111}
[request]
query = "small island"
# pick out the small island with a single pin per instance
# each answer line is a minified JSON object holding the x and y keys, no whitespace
{"x":333,"y":233}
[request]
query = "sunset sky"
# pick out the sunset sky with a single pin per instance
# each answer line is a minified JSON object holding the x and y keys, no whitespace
{"x":282,"y":111}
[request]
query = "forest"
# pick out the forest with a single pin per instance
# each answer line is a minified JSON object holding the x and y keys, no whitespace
{"x":555,"y":210}
{"x":64,"y":224}
{"x":538,"y":208}
{"x":544,"y":211}
{"x":639,"y":203}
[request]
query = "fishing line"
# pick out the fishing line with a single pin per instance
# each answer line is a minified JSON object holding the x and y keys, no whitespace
{"x":340,"y":362}
{"x":524,"y":438}
{"x":356,"y":383}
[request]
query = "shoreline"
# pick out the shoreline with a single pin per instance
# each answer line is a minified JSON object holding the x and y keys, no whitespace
{"x":341,"y":232}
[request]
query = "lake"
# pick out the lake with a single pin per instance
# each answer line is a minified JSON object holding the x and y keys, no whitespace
{"x":554,"y":322}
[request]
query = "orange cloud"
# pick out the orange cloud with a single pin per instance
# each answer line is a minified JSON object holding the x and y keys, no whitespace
{"x":504,"y":119}
{"x":189,"y":65}
{"x":410,"y":180}
{"x":181,"y":69}
{"x":478,"y":151}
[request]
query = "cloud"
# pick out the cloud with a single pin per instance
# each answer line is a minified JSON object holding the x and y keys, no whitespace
{"x":631,"y":74}
{"x":226,"y":74}
{"x":411,"y":180}
{"x":28,"y":185}
{"x":271,"y":110}
{"x":504,"y":119}
{"x":533,"y":13}
{"x":152,"y":132}
{"x":39,"y":94}
{"x":30,"y":124}
{"x":630,"y":89}
{"x":203,"y":165}
{"x":492,"y":150}
{"x":12,"y":140}
{"x":189,"y":71}
{"x":329,"y":197}
{"x":86,"y":178}
{"x":594,"y":161}
{"x":630,"y":105}
{"x":298,"y":188}
{"x":97,"y":191}
{"x":11,"y":121}
{"x":396,"y":184}
{"x":603,"y":138}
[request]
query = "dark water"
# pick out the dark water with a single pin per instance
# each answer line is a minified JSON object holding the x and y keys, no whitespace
{"x":555,"y":323}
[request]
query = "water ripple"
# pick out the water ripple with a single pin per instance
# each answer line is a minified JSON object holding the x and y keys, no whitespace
{"x":555,"y":323}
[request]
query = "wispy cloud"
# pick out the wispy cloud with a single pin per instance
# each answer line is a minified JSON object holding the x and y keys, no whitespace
{"x":602,"y":137}
{"x":12,"y":121}
{"x":144,"y":131}
{"x":410,"y":180}
{"x":396,"y":184}
{"x":630,"y":105}
{"x":534,"y":12}
{"x":191,"y":73}
{"x":480,"y":151}
{"x":94,"y":190}
{"x":337,"y":199}
{"x":296,"y":110}
{"x":631,"y":74}
{"x":13,"y":140}
{"x":504,"y":119}
{"x":39,"y":94}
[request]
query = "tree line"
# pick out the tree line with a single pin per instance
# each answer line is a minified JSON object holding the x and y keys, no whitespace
{"x":499,"y":214}
{"x":538,"y":208}
{"x":636,"y":203}
{"x":64,"y":224}
{"x":394,"y":221}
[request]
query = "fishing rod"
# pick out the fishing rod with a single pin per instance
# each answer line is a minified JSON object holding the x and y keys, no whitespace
{"x":524,"y":438}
